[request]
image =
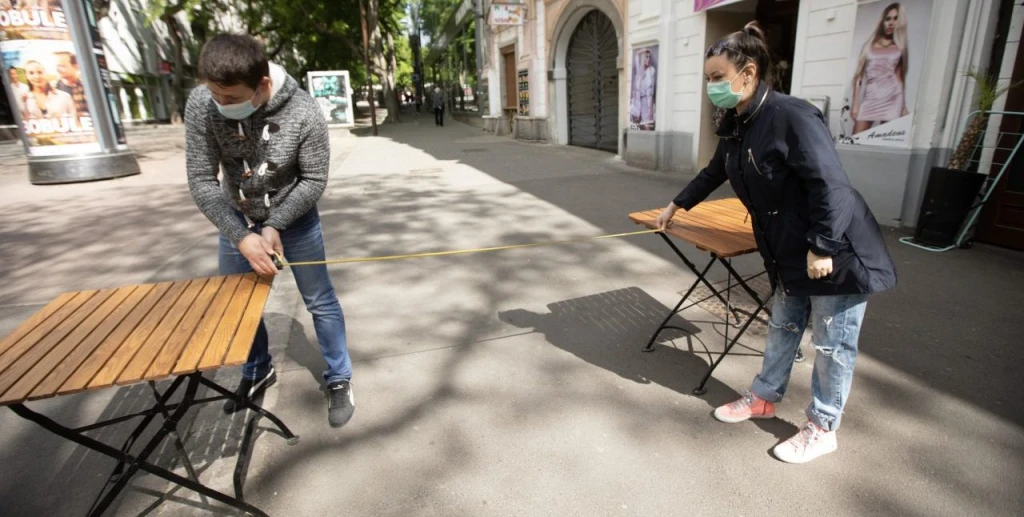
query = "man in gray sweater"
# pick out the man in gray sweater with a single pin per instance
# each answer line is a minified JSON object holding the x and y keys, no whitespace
{"x":268,"y":140}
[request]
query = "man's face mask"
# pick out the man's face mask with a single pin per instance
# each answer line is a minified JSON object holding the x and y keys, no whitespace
{"x":721,"y":94}
{"x":238,"y":111}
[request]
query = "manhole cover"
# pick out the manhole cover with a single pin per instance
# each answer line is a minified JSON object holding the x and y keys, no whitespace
{"x":475,"y":150}
{"x":739,"y":299}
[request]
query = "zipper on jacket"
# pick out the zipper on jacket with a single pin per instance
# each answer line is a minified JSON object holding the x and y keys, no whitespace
{"x":757,"y":222}
{"x":750,"y":154}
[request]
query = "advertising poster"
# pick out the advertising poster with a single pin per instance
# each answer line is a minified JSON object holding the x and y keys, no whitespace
{"x":43,"y":76}
{"x":524,"y":92}
{"x":333,"y":94}
{"x":884,"y":72}
{"x":643,"y":95}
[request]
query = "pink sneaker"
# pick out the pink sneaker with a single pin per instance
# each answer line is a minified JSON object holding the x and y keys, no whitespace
{"x":811,"y":442}
{"x":750,"y":406}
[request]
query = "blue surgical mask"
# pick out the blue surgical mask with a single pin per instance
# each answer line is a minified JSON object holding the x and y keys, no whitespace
{"x":721,"y":94}
{"x":239,"y":111}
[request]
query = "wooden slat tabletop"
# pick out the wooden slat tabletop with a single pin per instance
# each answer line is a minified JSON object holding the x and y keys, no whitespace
{"x":93,"y":339}
{"x":720,"y":227}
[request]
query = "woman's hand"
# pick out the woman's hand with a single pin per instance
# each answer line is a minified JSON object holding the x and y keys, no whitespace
{"x":664,"y":220}
{"x":817,"y":266}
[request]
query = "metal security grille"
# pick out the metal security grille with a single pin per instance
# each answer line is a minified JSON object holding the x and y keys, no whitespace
{"x":593,"y":84}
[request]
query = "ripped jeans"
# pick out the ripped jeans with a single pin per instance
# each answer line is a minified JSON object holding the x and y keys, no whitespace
{"x":836,"y":321}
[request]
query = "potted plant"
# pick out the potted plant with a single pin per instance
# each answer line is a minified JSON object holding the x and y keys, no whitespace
{"x":952,"y":190}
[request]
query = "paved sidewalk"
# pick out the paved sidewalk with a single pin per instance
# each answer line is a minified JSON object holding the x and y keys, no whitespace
{"x":512,"y":383}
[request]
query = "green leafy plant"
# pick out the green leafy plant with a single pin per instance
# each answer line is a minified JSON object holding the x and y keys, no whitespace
{"x":988,"y":91}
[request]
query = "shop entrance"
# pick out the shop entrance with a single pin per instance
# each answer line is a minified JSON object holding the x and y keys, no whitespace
{"x":1002,"y":219}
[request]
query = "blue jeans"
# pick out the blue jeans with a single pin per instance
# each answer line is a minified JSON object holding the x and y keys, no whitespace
{"x":837,"y":321}
{"x":303,"y":241}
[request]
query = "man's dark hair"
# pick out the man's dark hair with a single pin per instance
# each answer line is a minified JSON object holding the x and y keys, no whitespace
{"x":230,"y":59}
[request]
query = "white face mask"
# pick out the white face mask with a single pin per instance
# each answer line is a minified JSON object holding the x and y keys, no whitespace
{"x":238,"y":111}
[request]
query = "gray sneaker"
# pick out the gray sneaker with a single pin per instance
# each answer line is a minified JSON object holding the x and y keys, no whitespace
{"x":341,"y":403}
{"x":250,"y":389}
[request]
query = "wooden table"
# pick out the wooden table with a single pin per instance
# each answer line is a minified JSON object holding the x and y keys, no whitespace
{"x":722,"y":228}
{"x":90,"y":340}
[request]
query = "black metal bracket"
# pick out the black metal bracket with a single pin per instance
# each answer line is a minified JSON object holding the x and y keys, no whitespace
{"x":702,"y":279}
{"x":129,"y":464}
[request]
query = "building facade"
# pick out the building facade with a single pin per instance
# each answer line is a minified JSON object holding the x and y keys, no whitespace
{"x":627,"y":77}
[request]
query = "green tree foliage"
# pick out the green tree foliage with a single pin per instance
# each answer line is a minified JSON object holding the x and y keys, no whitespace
{"x":303,"y":35}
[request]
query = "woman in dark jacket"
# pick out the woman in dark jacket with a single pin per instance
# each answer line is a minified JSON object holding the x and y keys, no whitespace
{"x":821,"y":245}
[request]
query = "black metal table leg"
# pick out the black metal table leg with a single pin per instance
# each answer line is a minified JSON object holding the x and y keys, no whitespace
{"x":242,"y":463}
{"x":170,"y":423}
{"x":702,"y":278}
{"x":139,"y":462}
{"x":701,"y":389}
{"x":248,"y":403}
{"x":149,"y":415}
{"x":178,"y":445}
{"x":675,"y":310}
{"x":743,"y":283}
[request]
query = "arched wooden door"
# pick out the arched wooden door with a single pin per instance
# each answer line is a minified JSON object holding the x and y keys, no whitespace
{"x":593,"y":83}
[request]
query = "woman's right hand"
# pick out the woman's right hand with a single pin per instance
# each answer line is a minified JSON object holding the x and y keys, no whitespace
{"x":854,"y":112}
{"x":664,"y":220}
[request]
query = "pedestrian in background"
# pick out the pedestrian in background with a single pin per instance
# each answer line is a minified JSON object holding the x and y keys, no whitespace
{"x":438,"y":99}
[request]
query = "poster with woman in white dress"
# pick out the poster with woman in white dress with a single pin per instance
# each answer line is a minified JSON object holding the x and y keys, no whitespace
{"x":643,"y":94}
{"x":885,"y":69}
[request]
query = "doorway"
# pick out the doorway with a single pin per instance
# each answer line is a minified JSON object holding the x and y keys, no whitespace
{"x":508,"y":56}
{"x":593,"y":83}
{"x":1002,"y":220}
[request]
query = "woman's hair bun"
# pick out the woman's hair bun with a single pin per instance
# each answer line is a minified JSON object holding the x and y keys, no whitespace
{"x":754,"y":29}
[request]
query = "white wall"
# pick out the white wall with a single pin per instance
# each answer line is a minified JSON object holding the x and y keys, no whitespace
{"x":824,"y":38}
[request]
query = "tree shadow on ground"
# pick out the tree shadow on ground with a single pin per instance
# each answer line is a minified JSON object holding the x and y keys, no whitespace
{"x":608,"y":330}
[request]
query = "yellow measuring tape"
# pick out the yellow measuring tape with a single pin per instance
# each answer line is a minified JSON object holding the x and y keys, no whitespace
{"x":280,"y":262}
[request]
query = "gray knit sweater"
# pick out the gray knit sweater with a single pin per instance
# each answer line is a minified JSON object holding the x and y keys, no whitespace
{"x":273,"y":165}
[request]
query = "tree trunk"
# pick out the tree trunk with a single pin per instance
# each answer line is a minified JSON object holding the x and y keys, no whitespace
{"x":383,"y":70}
{"x":178,"y":84}
{"x":392,"y":69}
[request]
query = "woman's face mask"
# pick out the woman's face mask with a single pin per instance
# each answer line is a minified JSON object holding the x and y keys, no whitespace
{"x":721,"y":95}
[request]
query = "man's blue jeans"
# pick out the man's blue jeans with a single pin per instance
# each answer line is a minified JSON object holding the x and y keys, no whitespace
{"x":303,"y":241}
{"x":837,"y":321}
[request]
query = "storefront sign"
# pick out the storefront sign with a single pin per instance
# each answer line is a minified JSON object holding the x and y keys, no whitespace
{"x":644,"y":90}
{"x":524,"y":92}
{"x":42,"y":72}
{"x":508,"y":14}
{"x":333,"y":94}
{"x":700,"y":5}
{"x":884,"y":73}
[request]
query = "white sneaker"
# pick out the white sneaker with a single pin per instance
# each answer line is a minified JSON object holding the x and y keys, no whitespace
{"x":811,"y":442}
